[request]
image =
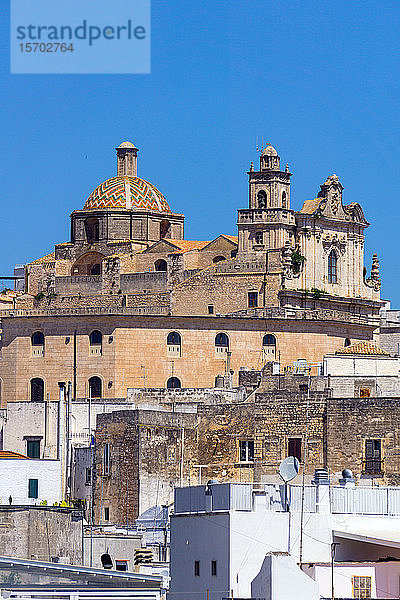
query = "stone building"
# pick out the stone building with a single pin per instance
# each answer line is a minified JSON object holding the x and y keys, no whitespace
{"x":128,"y":303}
{"x":331,"y":421}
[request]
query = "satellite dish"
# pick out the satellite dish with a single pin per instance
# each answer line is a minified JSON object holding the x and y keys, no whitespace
{"x":289,"y":468}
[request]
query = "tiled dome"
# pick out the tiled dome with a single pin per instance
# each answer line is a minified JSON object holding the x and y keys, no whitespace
{"x":127,"y":192}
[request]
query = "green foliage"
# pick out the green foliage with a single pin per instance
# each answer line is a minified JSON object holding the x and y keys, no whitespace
{"x":317,"y":293}
{"x":39,"y":296}
{"x":297,"y":261}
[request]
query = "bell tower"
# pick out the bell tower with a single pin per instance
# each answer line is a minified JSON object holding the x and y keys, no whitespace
{"x":269,"y":222}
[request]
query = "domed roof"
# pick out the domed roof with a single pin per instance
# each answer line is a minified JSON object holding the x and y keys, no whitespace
{"x":269,"y":151}
{"x":127,"y":145}
{"x":127,"y":192}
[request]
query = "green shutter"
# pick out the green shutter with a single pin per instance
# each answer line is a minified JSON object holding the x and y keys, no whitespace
{"x":33,"y":488}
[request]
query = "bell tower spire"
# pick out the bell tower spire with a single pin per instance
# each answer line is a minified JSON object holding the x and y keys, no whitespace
{"x":127,"y":160}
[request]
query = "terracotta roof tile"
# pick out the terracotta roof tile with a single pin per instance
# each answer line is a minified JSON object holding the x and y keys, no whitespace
{"x":187,"y":245}
{"x":310,"y":206}
{"x":365,"y":348}
{"x":232,"y":238}
{"x":44,"y":259}
{"x":9,"y":454}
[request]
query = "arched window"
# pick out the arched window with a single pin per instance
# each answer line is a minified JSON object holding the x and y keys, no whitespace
{"x":332,"y":267}
{"x":218,"y":259}
{"x":221,"y":343}
{"x":173,"y":383}
{"x":269,"y":346}
{"x":95,"y":342}
{"x":347,"y":342}
{"x":261,"y":199}
{"x":95,"y":338}
{"x":284,"y":201}
{"x":174,"y":339}
{"x":259,"y":237}
{"x":165,"y":229}
{"x":95,"y":387}
{"x":37,"y":342}
{"x":160,"y":265}
{"x":92,"y":229}
{"x":37,"y":339}
{"x":174,"y":344}
{"x":37,"y":390}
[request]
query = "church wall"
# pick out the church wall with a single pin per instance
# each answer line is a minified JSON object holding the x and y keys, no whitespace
{"x":135,"y":347}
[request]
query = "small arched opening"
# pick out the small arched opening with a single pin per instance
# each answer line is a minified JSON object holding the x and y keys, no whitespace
{"x":218,"y":259}
{"x":95,"y":342}
{"x":37,"y":389}
{"x":269,"y":346}
{"x":160,"y":265}
{"x":173,"y":383}
{"x":221,"y":343}
{"x":347,"y":342}
{"x":37,"y":343}
{"x":174,"y":344}
{"x":284,"y":200}
{"x":261,"y":199}
{"x":165,"y":229}
{"x":95,"y":387}
{"x":92,"y":229}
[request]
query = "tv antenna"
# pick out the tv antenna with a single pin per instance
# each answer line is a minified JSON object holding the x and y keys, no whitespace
{"x":263,"y":144}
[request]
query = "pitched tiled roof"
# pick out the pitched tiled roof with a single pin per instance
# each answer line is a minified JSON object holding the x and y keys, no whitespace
{"x":187,"y":245}
{"x":366,"y":348}
{"x":44,"y":259}
{"x":10,"y":454}
{"x":310,"y":206}
{"x":232,"y":238}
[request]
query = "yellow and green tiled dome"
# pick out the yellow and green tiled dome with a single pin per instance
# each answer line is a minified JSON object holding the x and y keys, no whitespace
{"x":127,"y":192}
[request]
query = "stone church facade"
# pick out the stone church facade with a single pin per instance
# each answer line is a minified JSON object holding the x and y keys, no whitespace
{"x":127,"y":302}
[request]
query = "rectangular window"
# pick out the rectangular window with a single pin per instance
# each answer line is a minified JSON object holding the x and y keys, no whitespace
{"x":197,"y":568}
{"x":373,"y":457}
{"x":106,"y":459}
{"x":365,"y":392}
{"x":214,"y":568}
{"x":33,"y":448}
{"x":246,"y":451}
{"x":88,"y":476}
{"x":106,"y":513}
{"x":361,"y":587}
{"x":121,"y":565}
{"x":33,"y":488}
{"x":294,"y":447}
{"x":210,"y":309}
{"x":253,"y":299}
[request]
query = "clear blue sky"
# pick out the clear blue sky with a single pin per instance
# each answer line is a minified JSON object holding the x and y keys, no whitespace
{"x":320,"y":80}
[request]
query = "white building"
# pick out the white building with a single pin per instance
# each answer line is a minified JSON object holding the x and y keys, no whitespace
{"x":221,"y":535}
{"x":362,"y":370}
{"x":26,"y":481}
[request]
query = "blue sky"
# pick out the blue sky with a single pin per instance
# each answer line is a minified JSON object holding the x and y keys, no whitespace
{"x":320,"y":80}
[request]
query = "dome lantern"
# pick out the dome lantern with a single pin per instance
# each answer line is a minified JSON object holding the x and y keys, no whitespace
{"x":127,"y":159}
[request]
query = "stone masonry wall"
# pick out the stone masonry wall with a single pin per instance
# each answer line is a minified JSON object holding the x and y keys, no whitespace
{"x":39,"y":533}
